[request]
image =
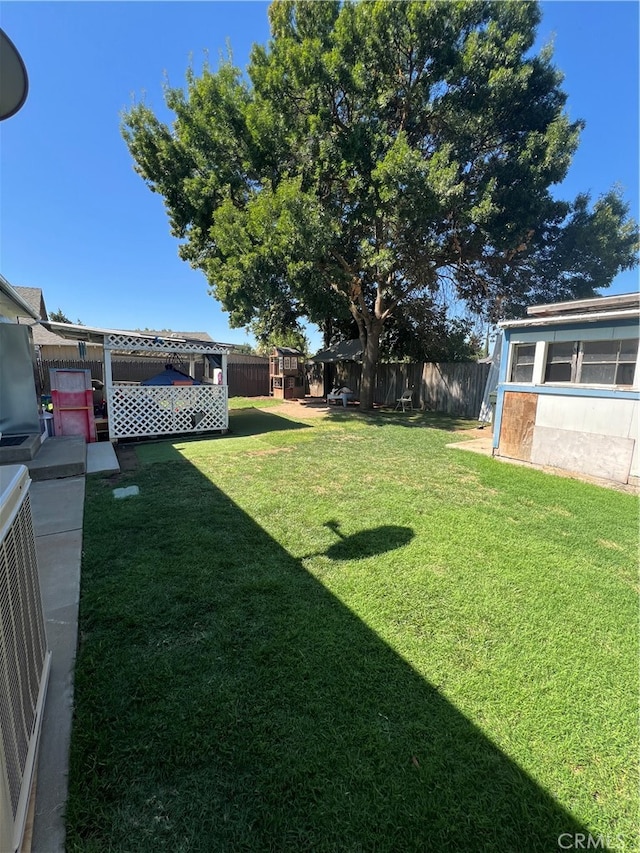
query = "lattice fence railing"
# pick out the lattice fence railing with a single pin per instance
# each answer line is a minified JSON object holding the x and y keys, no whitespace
{"x":136,"y":411}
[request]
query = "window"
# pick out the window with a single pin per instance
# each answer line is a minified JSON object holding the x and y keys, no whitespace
{"x":522,"y":362}
{"x":287,"y":363}
{"x":608,"y":362}
{"x":294,"y":362}
{"x":592,"y":362}
{"x":561,"y":362}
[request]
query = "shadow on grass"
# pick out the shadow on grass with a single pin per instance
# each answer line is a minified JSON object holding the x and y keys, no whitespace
{"x":415,"y":418}
{"x":248,"y":421}
{"x":367,"y":543}
{"x":226,"y":701}
{"x":243,"y":423}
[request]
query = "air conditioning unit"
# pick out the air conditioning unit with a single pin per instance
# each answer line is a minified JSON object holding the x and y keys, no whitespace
{"x":24,"y":656}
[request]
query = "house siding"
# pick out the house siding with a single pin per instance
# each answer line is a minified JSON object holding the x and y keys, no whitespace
{"x":574,"y":427}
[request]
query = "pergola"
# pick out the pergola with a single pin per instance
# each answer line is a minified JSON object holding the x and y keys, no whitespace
{"x":138,"y":411}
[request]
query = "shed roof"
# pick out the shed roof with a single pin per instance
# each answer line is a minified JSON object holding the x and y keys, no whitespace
{"x":618,"y":301}
{"x":343,"y":351}
{"x":624,"y":306}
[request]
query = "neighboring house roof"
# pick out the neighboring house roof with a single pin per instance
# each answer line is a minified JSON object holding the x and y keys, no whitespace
{"x":13,"y":303}
{"x":45,"y":337}
{"x":34,"y":297}
{"x":169,"y":333}
{"x":343,"y":351}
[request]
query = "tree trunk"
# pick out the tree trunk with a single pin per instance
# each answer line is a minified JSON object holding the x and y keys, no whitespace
{"x":370,"y":354}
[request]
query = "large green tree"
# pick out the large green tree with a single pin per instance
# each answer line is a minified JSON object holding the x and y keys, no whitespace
{"x":374,"y":151}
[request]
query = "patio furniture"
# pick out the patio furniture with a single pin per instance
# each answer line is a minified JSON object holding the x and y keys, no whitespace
{"x":343,"y":394}
{"x":405,"y":401}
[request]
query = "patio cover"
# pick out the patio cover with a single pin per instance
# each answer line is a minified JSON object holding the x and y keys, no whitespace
{"x":127,"y":341}
{"x":343,"y":351}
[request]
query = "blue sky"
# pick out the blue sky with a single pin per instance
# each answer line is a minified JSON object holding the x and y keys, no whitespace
{"x":77,"y":221}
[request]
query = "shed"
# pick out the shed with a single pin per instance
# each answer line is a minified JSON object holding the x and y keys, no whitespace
{"x":568,"y":388}
{"x":157,"y":408}
{"x":325,"y":374}
{"x":342,"y":351}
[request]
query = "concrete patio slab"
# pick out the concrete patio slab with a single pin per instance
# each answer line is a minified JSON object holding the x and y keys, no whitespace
{"x":57,"y":505}
{"x":482,"y":445}
{"x":62,"y":456}
{"x":101,"y":458}
{"x":48,"y":834}
{"x":60,"y":589}
{"x":57,"y":510}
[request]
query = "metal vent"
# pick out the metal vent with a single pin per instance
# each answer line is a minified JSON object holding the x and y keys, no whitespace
{"x":24,"y":657}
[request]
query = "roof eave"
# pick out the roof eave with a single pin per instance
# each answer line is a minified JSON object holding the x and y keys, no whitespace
{"x":572,"y":319}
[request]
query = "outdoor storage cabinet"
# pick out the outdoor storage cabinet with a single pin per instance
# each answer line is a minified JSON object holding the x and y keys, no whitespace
{"x":72,"y":396}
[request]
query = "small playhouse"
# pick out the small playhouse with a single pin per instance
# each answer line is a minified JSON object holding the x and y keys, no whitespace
{"x":286,"y":373}
{"x":169,"y":402}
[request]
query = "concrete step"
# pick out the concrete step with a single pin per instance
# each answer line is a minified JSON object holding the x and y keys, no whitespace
{"x":61,"y":456}
{"x":20,"y":453}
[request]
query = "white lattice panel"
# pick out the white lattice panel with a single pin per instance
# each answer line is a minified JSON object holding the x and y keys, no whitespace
{"x":138,"y":343}
{"x":138,"y":411}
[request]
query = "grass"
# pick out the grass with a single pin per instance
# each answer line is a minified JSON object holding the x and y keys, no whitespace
{"x":251,"y":402}
{"x":340,"y":635}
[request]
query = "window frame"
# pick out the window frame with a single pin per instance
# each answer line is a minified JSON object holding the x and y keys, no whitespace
{"x":577,"y":362}
{"x":573,"y":361}
{"x":513,"y":363}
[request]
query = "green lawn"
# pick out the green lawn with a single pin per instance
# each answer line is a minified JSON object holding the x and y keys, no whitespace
{"x":340,"y":635}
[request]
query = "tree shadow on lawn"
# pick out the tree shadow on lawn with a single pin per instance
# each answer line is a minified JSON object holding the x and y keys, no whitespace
{"x":226,"y":701}
{"x":249,"y":421}
{"x":243,"y":423}
{"x":366,"y":543}
{"x":415,"y":418}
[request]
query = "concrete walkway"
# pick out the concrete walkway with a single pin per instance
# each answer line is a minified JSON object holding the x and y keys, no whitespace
{"x":58,"y":510}
{"x":483,"y":444}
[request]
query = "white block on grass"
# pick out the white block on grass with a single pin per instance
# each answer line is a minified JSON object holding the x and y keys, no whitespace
{"x":129,"y":492}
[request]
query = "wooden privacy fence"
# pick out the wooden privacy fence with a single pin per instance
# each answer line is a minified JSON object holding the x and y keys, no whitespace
{"x":248,"y":379}
{"x":456,"y":388}
{"x":245,"y":377}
